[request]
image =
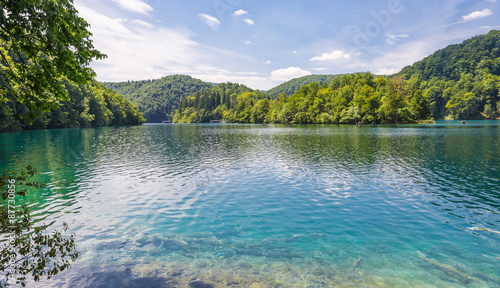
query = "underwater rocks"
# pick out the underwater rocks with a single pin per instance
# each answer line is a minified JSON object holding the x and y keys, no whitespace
{"x":114,"y":278}
{"x":281,"y":253}
{"x":115,"y":244}
{"x":449,"y":270}
{"x":357,"y":263}
{"x":249,"y":252}
{"x":200,"y":284}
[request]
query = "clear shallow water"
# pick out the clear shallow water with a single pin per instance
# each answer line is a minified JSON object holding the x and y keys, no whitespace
{"x":271,"y":205}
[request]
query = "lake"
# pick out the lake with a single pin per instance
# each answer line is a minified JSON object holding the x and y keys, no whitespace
{"x":271,"y":205}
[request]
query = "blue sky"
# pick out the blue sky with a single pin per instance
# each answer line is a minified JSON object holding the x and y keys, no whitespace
{"x":264,"y":43}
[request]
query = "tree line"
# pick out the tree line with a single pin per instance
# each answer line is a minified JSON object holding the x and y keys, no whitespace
{"x":158,"y":99}
{"x":458,"y":82}
{"x":349,"y":99}
{"x":89,"y":105}
{"x":461,"y":81}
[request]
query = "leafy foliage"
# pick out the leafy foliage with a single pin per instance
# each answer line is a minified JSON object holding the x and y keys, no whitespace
{"x":27,"y":248}
{"x":461,"y":81}
{"x":348,"y":99}
{"x":158,"y":99}
{"x":40,"y":41}
{"x":229,"y":101}
{"x":293,"y":85}
{"x":89,"y":105}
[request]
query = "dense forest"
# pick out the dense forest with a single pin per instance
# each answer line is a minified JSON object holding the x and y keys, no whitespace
{"x":458,"y":82}
{"x":89,"y":105}
{"x":293,"y":85}
{"x":348,"y":99}
{"x":220,"y":102}
{"x":158,"y":99}
{"x":461,"y":81}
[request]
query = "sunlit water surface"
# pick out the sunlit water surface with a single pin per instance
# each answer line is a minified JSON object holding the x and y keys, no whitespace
{"x":271,"y":205}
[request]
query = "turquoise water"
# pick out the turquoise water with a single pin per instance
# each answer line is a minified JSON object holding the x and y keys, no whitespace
{"x":271,"y":205}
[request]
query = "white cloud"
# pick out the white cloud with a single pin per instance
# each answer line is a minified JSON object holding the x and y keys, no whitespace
{"x":288,"y":74}
{"x":240,"y":12}
{"x":490,"y":27}
{"x":142,"y":23}
{"x":492,"y":1}
{"x":268,"y":62}
{"x":210,"y":20}
{"x":139,"y":50}
{"x":477,"y":15}
{"x":135,"y":6}
{"x":386,"y":71}
{"x":393,"y":39}
{"x":248,"y":42}
{"x":249,"y":21}
{"x":335,"y":55}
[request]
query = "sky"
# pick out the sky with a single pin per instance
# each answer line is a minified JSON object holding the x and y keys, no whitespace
{"x":262,"y":44}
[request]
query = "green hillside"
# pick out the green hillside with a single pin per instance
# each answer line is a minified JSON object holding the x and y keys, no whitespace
{"x":89,"y":105}
{"x":220,"y":102}
{"x":349,"y":99}
{"x":471,"y":56}
{"x":157,"y":99}
{"x":461,"y":81}
{"x":294,"y":85}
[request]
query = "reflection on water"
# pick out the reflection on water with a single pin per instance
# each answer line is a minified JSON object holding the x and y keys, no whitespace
{"x":271,"y":205}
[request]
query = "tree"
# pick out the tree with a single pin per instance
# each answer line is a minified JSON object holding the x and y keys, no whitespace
{"x":27,"y":248}
{"x":463,"y":105}
{"x":419,"y":106}
{"x":41,"y":41}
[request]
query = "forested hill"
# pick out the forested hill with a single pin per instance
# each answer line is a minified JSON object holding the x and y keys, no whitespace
{"x":220,"y":102}
{"x":294,"y":85}
{"x":472,"y":56}
{"x":157,"y":99}
{"x":461,"y":81}
{"x":90,"y":105}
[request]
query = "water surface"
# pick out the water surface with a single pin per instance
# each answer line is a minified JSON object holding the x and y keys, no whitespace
{"x":271,"y":205}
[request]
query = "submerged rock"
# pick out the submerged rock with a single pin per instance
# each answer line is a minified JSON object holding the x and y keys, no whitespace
{"x":357,"y":263}
{"x":449,"y":270}
{"x":318,"y":235}
{"x":172,"y":245}
{"x":116,"y":244}
{"x":117,"y":278}
{"x":200,"y":284}
{"x":484,"y":278}
{"x":282,"y":253}
{"x":249,"y":252}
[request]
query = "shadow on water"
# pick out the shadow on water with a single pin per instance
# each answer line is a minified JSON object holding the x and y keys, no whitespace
{"x":101,"y":278}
